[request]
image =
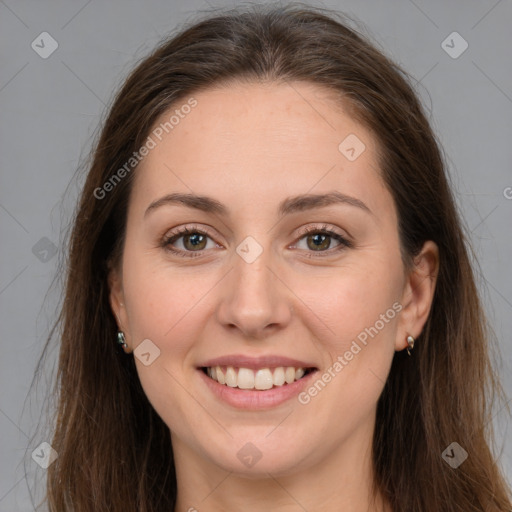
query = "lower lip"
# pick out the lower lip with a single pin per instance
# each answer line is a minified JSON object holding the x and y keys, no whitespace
{"x":253,"y":399}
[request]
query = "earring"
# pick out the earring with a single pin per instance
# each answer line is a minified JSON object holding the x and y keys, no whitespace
{"x":410,"y":342}
{"x":121,"y":339}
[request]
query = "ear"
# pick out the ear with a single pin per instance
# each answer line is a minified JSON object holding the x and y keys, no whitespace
{"x":418,"y":294}
{"x":117,"y":302}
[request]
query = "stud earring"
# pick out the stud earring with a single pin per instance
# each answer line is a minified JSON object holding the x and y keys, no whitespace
{"x":410,"y":343}
{"x":122,"y":340}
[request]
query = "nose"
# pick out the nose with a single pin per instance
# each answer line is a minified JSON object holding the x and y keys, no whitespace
{"x":255,"y":300}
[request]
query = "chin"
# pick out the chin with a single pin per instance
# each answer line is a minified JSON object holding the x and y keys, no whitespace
{"x":257,"y":456}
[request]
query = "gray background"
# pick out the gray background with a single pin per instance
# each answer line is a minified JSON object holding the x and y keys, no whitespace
{"x":50,"y":109}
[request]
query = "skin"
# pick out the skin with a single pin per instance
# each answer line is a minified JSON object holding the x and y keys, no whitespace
{"x":250,"y":146}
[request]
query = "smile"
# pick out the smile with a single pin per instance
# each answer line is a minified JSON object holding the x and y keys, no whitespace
{"x":256,"y":379}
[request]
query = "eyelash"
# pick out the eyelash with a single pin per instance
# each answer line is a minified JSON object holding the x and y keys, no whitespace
{"x":324,"y":230}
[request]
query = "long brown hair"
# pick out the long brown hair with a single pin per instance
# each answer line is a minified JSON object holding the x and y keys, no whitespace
{"x":114,"y":451}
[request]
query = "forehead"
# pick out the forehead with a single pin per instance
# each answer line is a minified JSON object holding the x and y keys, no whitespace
{"x":249,"y":143}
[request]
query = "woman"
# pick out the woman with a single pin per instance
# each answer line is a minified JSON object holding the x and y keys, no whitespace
{"x":269,"y":301}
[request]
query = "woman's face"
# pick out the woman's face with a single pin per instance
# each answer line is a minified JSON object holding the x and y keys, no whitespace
{"x":257,"y":286}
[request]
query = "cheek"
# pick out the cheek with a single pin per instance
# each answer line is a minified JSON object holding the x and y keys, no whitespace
{"x":357,"y":308}
{"x":351,"y":299}
{"x":165,"y":307}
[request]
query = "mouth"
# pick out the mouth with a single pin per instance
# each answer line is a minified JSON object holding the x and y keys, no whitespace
{"x":256,"y":379}
{"x":250,"y":382}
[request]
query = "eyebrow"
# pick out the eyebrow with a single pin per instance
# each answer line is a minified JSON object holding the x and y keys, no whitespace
{"x":290,"y":205}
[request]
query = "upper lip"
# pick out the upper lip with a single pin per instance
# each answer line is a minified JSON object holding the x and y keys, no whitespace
{"x":254,"y":363}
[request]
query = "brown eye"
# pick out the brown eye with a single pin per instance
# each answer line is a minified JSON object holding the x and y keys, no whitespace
{"x":193,"y":241}
{"x":319,"y":241}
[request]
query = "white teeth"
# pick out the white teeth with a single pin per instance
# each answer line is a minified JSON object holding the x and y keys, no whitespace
{"x":264,"y":378}
{"x":220,"y":375}
{"x":278,"y":377}
{"x":231,"y":379}
{"x":289,"y":374}
{"x":245,"y":378}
